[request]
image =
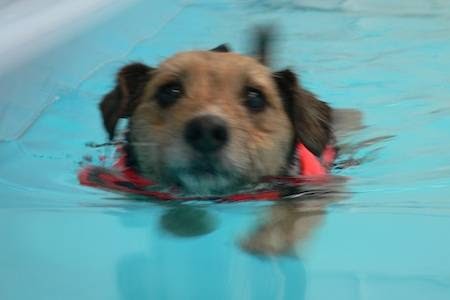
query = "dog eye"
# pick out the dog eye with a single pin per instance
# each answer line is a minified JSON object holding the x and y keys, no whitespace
{"x":169,"y":93}
{"x":255,"y":100}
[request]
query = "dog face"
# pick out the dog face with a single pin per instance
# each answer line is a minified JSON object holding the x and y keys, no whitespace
{"x":211,"y":121}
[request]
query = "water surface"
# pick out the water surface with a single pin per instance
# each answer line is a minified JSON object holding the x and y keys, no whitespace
{"x":387,"y":240}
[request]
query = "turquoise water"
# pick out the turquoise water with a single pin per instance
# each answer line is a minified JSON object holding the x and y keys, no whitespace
{"x":387,"y":240}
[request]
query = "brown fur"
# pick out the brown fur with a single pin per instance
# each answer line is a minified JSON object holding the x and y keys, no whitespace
{"x":310,"y":116}
{"x":260,"y":144}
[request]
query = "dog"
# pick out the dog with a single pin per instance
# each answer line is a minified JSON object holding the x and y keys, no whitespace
{"x":215,"y":121}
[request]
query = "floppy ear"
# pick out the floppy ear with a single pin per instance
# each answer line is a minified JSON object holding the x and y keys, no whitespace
{"x":123,"y":99}
{"x":310,"y":116}
{"x":221,"y":48}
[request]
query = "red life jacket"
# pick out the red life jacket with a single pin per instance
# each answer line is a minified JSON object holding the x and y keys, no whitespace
{"x":123,"y":178}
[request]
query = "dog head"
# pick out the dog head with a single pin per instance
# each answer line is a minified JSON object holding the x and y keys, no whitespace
{"x":211,"y":121}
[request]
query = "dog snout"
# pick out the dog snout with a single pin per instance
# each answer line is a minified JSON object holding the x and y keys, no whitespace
{"x":206,"y":134}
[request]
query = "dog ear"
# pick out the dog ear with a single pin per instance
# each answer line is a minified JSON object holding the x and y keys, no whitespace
{"x":310,"y":116}
{"x":123,"y":99}
{"x":221,"y":48}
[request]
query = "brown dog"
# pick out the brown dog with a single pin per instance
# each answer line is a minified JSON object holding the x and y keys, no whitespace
{"x":213,"y":121}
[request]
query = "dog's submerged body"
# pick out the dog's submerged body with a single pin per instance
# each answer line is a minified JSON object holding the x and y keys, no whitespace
{"x":213,"y":121}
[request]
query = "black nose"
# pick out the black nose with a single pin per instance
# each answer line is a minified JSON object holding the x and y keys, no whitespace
{"x":206,"y":134}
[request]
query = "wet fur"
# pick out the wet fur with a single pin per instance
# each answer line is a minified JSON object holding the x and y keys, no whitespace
{"x":262,"y":143}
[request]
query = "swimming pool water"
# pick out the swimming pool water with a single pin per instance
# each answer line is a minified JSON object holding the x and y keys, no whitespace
{"x":387,"y":240}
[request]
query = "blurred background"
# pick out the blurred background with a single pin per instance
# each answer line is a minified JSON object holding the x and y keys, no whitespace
{"x":387,"y":240}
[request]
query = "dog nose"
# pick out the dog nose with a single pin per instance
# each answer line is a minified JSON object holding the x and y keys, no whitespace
{"x":206,"y":134}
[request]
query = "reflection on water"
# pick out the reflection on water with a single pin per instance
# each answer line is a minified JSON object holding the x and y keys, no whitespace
{"x":188,"y":221}
{"x":168,"y":268}
{"x":379,"y":235}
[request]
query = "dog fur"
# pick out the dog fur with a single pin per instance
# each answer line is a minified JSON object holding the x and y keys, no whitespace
{"x":261,"y":142}
{"x":214,"y":83}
